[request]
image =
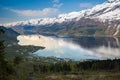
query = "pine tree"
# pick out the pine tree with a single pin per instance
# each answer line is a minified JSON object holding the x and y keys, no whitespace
{"x":3,"y":62}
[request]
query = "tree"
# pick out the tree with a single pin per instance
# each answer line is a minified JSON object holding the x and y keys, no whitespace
{"x":3,"y":62}
{"x":17,"y":60}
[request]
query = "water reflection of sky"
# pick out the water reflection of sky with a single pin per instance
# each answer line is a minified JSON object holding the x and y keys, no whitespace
{"x":67,"y":49}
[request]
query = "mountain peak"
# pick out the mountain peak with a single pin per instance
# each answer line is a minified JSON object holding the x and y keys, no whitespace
{"x":113,"y":0}
{"x":108,"y":11}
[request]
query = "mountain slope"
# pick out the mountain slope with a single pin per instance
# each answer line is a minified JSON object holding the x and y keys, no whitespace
{"x":11,"y":44}
{"x":103,"y":19}
{"x":9,"y":36}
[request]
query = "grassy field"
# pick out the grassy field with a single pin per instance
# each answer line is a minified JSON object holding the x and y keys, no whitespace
{"x":88,"y":75}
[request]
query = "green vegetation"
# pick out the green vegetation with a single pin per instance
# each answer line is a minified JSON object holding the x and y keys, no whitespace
{"x":4,"y":67}
{"x":24,"y":51}
{"x":35,"y":69}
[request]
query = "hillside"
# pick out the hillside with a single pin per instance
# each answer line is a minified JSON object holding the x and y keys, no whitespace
{"x":11,"y":44}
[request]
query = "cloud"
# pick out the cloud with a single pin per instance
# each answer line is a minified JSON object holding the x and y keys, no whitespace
{"x":52,"y":11}
{"x":46,"y":12}
{"x":57,"y":5}
{"x":56,"y":1}
{"x":86,"y":5}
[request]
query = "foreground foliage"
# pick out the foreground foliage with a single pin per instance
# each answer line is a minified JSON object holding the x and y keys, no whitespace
{"x":34,"y":69}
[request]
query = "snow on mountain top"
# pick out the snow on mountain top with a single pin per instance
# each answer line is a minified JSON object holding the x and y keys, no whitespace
{"x":113,"y":0}
{"x":44,"y":21}
{"x":107,"y":11}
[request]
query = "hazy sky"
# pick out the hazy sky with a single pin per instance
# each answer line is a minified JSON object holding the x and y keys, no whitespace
{"x":16,"y":10}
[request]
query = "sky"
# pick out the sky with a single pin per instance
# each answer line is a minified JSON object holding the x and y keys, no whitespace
{"x":19,"y":10}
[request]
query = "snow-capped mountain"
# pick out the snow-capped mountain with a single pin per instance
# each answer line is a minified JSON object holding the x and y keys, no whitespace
{"x":45,"y":21}
{"x":109,"y":10}
{"x":107,"y":14}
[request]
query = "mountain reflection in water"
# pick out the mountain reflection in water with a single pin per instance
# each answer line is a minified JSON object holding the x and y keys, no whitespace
{"x":74,"y":48}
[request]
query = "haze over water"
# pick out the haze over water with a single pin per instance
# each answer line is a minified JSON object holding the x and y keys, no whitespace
{"x":74,"y":48}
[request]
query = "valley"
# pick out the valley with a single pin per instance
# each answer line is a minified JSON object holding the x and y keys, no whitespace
{"x":45,"y":42}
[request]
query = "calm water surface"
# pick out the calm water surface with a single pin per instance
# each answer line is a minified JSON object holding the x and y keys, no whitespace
{"x":74,"y":48}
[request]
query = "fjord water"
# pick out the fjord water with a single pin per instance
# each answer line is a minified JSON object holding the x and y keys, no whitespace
{"x":81,"y":48}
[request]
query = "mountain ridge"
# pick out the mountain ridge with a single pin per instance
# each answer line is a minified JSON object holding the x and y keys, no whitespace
{"x":89,"y":13}
{"x":106,"y":14}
